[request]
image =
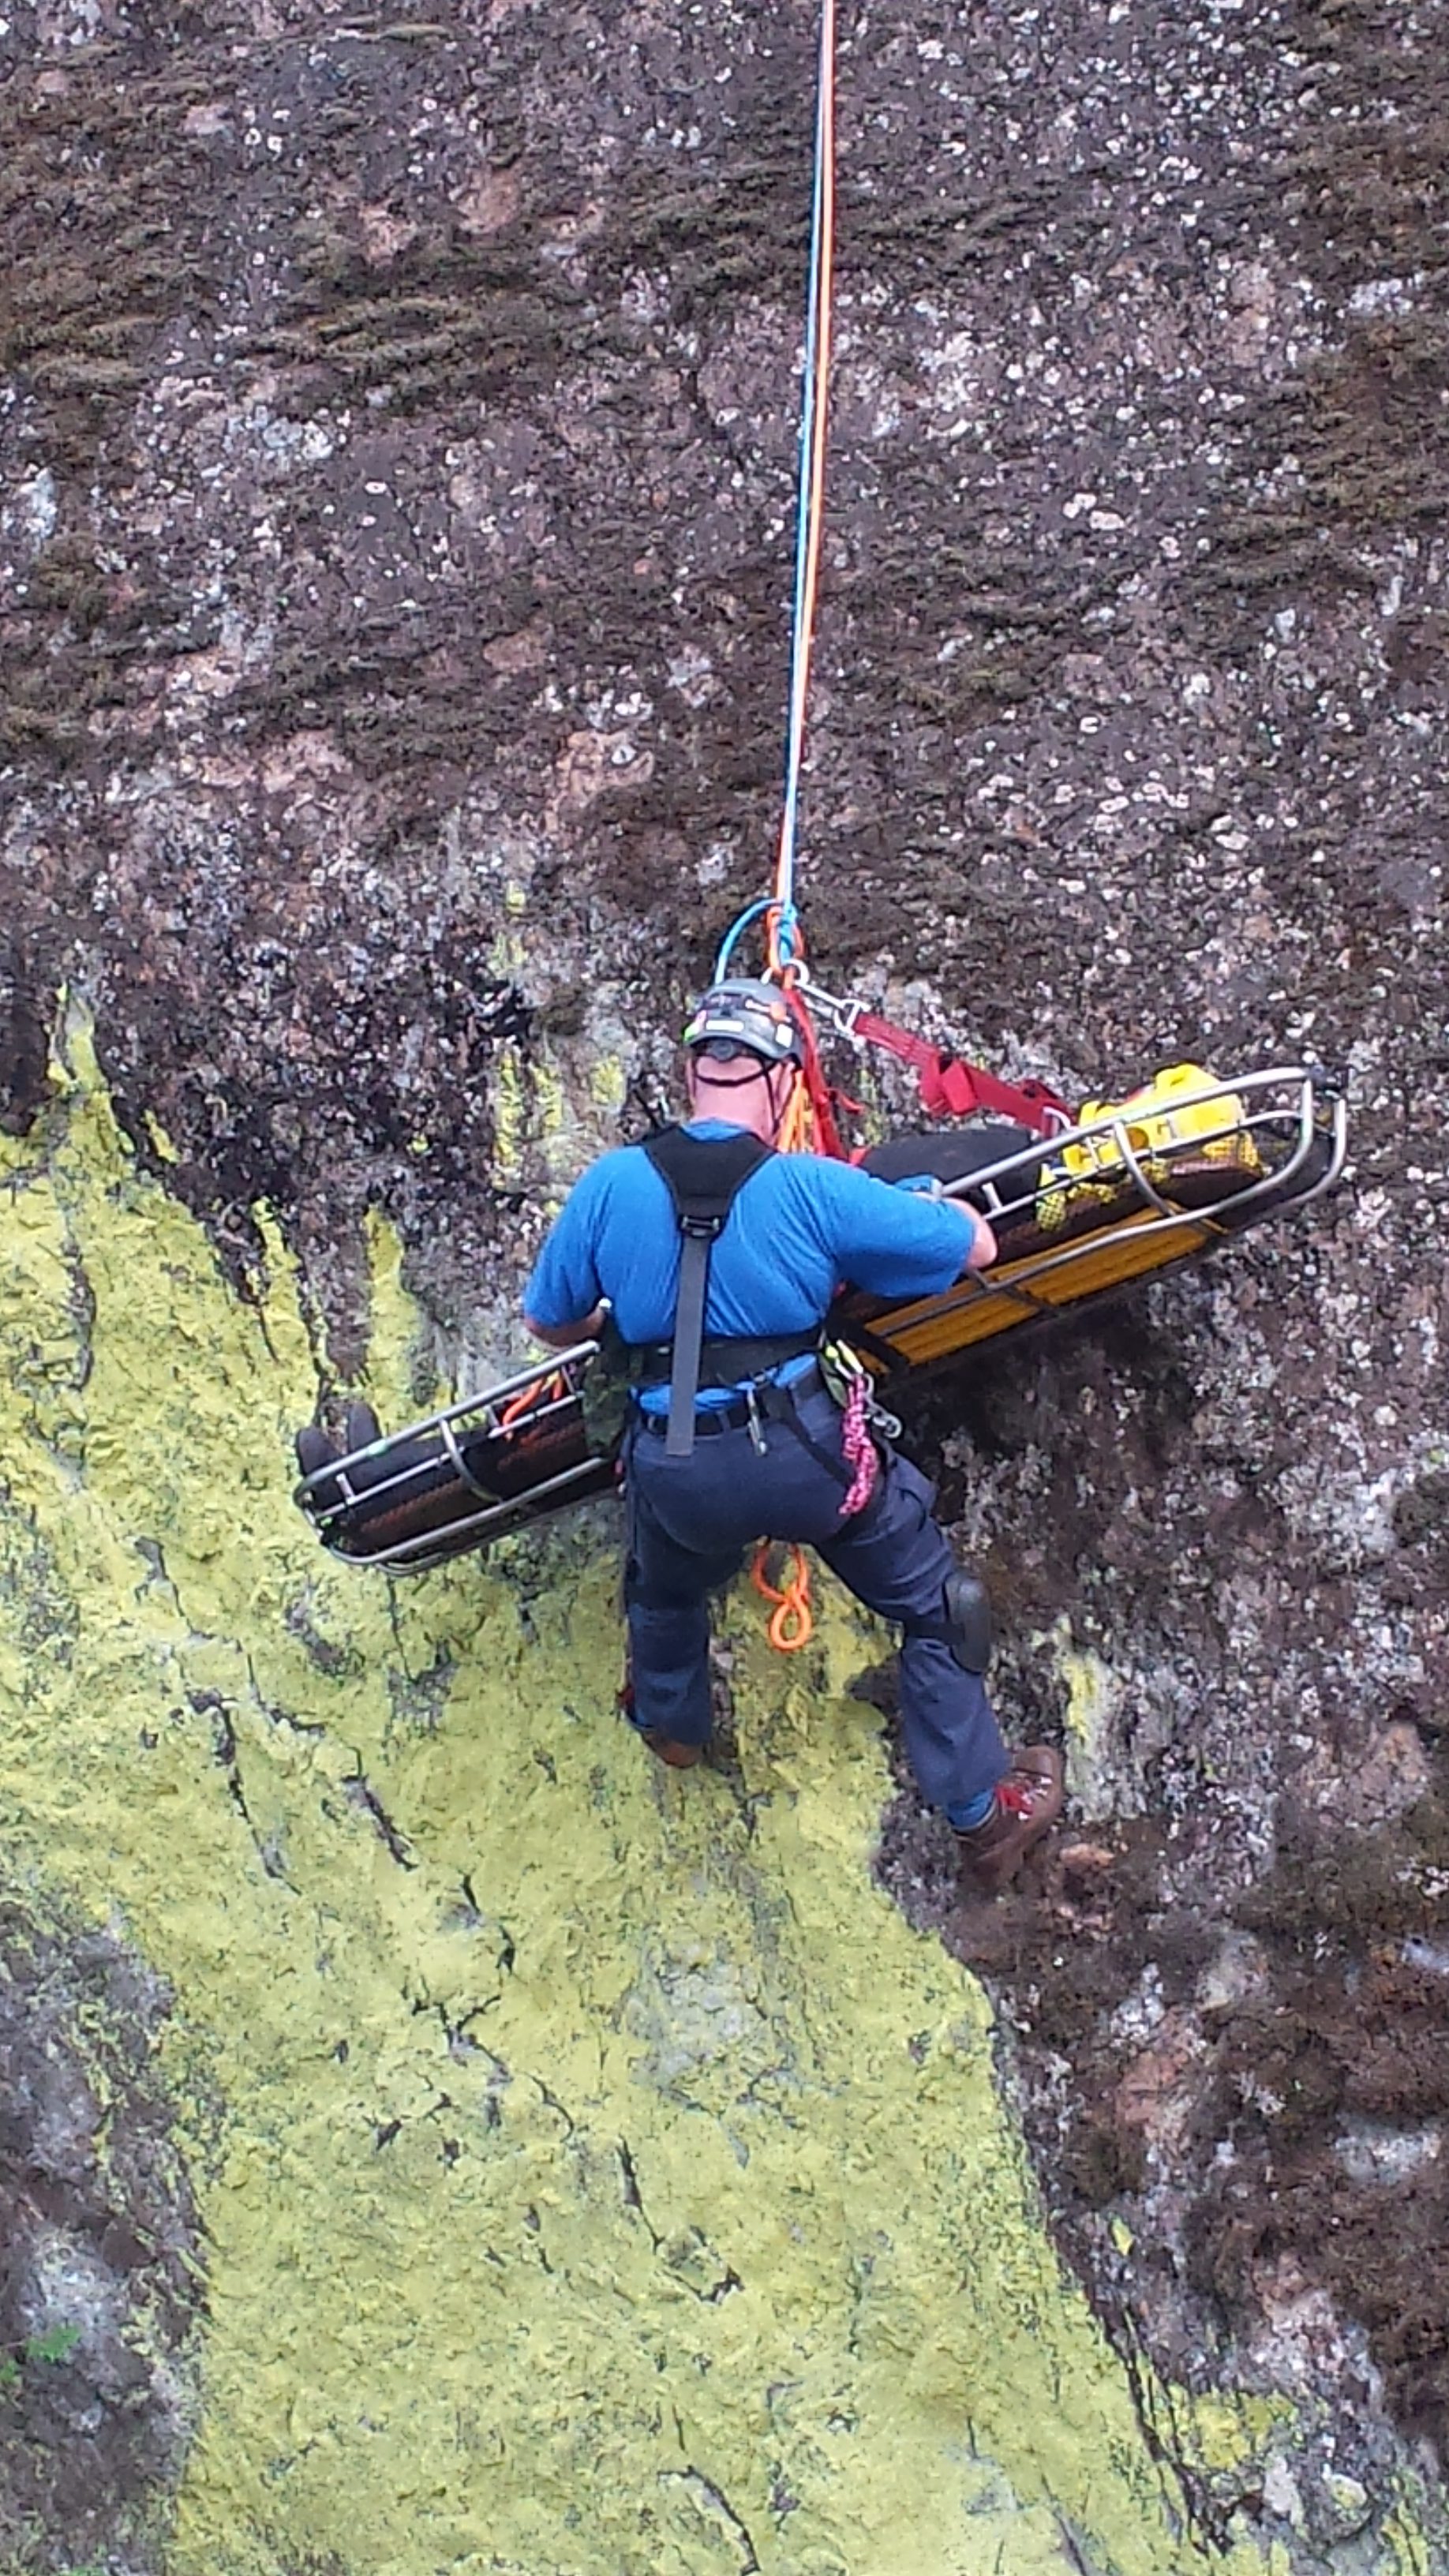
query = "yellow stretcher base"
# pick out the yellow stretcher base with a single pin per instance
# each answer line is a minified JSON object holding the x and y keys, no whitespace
{"x":1013,"y":1293}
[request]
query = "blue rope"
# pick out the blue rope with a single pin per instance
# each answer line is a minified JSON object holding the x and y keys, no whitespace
{"x":751,"y":913}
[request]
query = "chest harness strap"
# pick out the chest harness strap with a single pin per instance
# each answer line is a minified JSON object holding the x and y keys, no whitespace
{"x":704,"y":1175}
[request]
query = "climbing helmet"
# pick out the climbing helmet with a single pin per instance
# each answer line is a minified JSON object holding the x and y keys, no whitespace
{"x":745,"y":1013}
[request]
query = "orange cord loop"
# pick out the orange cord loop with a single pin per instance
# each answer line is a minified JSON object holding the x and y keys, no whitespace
{"x":792,"y":1621}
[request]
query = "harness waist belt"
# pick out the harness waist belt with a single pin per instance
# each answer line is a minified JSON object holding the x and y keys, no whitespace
{"x":723,"y":1361}
{"x":770,"y":1404}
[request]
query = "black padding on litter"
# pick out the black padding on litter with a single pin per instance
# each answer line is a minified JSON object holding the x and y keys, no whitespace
{"x":948,"y":1154}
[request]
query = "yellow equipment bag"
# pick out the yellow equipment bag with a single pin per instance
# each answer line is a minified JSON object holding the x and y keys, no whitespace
{"x":1183,"y":1114}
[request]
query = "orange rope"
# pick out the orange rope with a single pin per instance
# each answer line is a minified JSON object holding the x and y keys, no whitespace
{"x":796,"y":1131}
{"x":552,"y":1385}
{"x":792,"y":1621}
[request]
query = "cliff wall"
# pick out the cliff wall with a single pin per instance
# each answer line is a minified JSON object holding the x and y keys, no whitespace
{"x":396,"y":479}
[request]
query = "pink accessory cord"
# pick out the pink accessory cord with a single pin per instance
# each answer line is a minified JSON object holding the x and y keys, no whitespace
{"x":857,"y":1448}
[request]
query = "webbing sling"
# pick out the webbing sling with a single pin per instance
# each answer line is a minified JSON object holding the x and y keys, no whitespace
{"x":703,"y":1175}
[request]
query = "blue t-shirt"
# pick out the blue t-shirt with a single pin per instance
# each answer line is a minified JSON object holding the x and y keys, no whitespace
{"x":800,"y":1227}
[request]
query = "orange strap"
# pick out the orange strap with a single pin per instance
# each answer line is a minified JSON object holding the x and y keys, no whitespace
{"x":792,"y":1622}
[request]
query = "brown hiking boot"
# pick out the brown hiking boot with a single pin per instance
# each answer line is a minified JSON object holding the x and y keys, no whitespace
{"x":680,"y":1757}
{"x":665,"y":1748}
{"x":1028,"y":1803}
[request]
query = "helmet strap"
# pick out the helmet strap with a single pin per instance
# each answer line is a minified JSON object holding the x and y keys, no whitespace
{"x":739,"y":1081}
{"x":718,"y":1080}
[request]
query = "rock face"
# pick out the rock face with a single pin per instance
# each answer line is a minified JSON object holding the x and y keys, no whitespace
{"x":591,"y":2167}
{"x":396,"y":479}
{"x":100,"y":2258}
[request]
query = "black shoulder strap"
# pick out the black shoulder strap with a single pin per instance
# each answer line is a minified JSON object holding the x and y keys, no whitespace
{"x":703,"y":1175}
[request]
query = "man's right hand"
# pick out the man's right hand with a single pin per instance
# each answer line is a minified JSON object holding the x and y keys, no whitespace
{"x":983,"y":1239}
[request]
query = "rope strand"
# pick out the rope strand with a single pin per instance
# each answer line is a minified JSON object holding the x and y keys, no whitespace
{"x":784,"y":938}
{"x":792,"y":1622}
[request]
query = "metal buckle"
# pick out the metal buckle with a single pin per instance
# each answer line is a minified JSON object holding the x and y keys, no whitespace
{"x":757,"y":1428}
{"x":842,"y":1015}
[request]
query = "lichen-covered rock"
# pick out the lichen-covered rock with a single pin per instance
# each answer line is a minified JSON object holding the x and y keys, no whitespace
{"x":592,"y":2168}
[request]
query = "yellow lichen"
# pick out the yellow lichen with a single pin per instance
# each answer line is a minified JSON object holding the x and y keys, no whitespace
{"x":506,"y":1100}
{"x":551,"y":1124}
{"x":400,"y":1370}
{"x":607,"y":1082}
{"x":1231,"y":2427}
{"x":1090,"y":1689}
{"x":160,"y":1141}
{"x":536,"y":1136}
{"x":1405,"y":2551}
{"x":1092,"y":1695}
{"x":607,"y":2179}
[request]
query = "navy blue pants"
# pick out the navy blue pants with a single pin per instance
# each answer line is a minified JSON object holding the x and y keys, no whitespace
{"x":690,"y":1520}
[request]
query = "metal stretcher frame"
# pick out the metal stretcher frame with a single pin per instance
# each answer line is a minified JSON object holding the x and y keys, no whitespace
{"x":1283,"y":1138}
{"x":331,"y":1492}
{"x":1038,"y":1285}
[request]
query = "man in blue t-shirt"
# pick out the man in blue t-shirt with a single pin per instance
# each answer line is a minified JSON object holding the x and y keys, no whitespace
{"x":761,"y":1452}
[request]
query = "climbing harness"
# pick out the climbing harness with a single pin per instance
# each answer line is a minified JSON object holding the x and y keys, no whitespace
{"x":703,"y":1177}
